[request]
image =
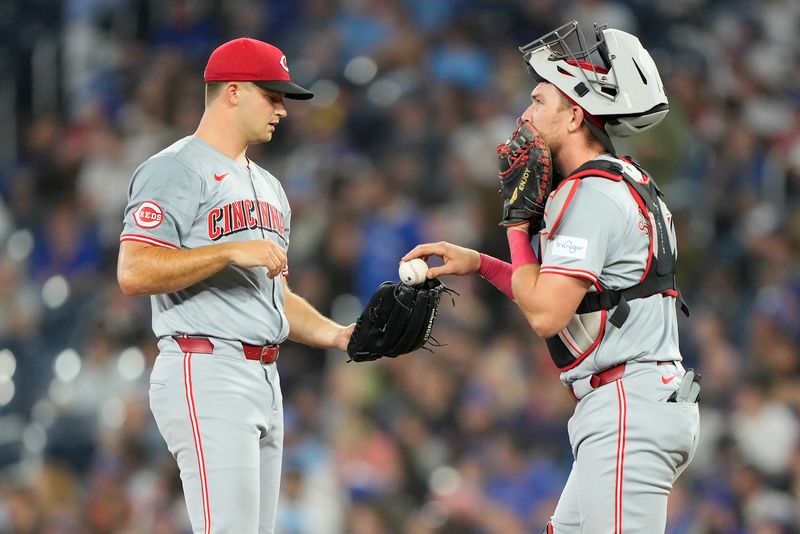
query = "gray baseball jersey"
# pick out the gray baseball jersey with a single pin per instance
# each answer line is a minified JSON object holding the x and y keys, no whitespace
{"x":602,"y":236}
{"x":190,"y":195}
{"x":629,"y":444}
{"x":220,"y":413}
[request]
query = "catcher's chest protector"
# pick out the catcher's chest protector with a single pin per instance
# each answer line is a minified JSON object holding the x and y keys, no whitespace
{"x":586,"y":328}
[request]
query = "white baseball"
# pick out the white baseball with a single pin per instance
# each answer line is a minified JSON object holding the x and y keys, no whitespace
{"x":413,"y":272}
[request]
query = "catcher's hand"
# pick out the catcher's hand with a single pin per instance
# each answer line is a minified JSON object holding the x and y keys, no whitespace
{"x":398,"y":319}
{"x":526,"y":176}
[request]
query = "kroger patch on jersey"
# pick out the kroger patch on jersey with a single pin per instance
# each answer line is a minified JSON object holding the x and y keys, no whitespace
{"x":571,"y":247}
{"x":148,"y":215}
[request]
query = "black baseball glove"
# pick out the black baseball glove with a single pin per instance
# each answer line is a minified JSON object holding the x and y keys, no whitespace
{"x":398,"y":319}
{"x":526,"y":177}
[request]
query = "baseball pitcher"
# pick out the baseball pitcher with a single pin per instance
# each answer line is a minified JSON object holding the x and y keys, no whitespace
{"x":206,"y":232}
{"x":600,"y":286}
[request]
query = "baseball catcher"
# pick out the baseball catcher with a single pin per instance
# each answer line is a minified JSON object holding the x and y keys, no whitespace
{"x":594,"y":276}
{"x":398,"y":319}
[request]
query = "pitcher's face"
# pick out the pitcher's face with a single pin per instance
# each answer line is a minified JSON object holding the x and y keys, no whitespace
{"x":261,"y":111}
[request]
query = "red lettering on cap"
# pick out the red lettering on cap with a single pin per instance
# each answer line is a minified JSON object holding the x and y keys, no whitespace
{"x":148,"y":215}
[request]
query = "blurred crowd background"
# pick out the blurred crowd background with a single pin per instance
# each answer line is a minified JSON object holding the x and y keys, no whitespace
{"x":397,"y":148}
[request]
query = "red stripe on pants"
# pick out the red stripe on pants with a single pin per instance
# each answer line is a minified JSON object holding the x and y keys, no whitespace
{"x":198,"y":443}
{"x":623,"y":413}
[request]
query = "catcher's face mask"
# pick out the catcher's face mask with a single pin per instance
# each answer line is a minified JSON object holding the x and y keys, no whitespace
{"x":614,"y":79}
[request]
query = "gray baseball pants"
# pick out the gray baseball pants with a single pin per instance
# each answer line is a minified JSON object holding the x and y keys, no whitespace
{"x":222,"y":418}
{"x":629,"y":446}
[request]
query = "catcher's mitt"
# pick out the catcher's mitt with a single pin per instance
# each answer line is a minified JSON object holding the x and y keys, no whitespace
{"x":398,"y":319}
{"x":526,"y":177}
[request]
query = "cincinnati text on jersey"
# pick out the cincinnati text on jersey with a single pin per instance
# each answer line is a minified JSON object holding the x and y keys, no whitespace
{"x":244,"y":215}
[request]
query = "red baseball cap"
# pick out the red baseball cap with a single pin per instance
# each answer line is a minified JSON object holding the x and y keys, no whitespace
{"x":250,"y":60}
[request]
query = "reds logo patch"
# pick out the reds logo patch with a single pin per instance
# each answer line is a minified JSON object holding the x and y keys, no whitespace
{"x":284,"y":64}
{"x":148,"y":215}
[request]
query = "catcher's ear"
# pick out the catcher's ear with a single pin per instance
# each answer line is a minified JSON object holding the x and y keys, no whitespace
{"x":576,"y":119}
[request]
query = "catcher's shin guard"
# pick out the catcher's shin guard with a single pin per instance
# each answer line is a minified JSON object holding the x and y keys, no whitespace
{"x":548,"y":528}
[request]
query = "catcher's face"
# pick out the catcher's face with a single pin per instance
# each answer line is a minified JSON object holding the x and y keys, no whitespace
{"x":549,"y":114}
{"x":260,"y":112}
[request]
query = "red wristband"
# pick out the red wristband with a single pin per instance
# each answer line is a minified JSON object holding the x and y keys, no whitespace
{"x":521,"y":250}
{"x":498,"y":273}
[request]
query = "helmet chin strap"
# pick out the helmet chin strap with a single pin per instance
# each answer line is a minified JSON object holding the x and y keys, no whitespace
{"x":601,"y":135}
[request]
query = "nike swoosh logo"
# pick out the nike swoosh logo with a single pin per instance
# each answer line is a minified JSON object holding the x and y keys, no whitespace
{"x":667,"y":379}
{"x":220,"y":177}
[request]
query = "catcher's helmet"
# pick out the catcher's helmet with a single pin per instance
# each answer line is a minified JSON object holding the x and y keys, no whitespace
{"x":615,"y":79}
